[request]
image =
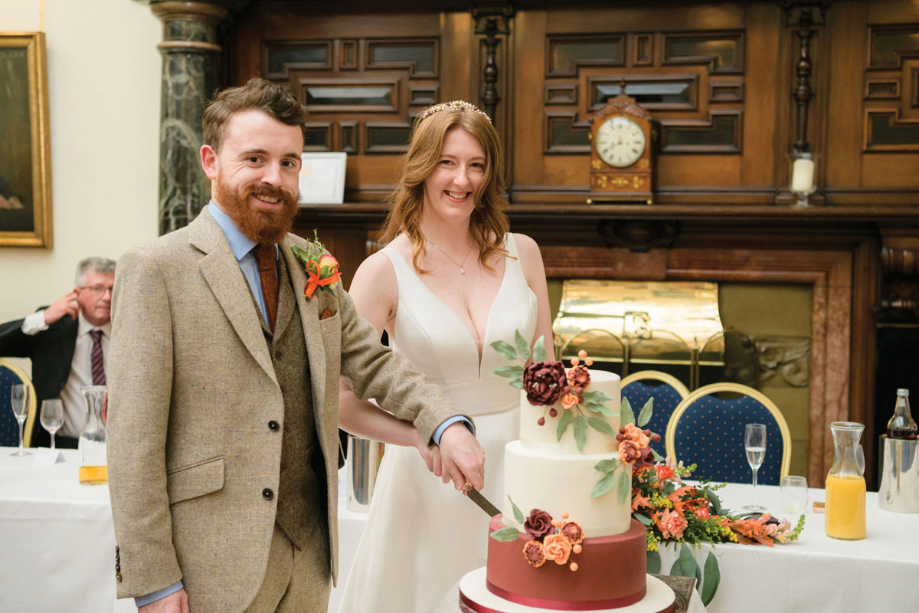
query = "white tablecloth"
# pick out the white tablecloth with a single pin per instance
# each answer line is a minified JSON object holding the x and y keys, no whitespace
{"x":57,"y":540}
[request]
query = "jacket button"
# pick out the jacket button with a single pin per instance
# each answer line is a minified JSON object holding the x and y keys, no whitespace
{"x":267,"y":494}
{"x":273,"y":425}
{"x":278,"y":355}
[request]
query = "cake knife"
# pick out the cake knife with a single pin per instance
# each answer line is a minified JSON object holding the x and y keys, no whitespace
{"x":477,"y":497}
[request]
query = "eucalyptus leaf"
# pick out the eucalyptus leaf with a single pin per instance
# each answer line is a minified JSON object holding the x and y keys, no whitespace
{"x":516,"y":382}
{"x":510,"y":372}
{"x":657,"y":457}
{"x":563,"y":423}
{"x":643,"y":519}
{"x":517,"y":514}
{"x":712,"y":576}
{"x":597,"y":397}
{"x":599,"y":408}
{"x":715,"y":500}
{"x":539,"y":350}
{"x":505,"y":535}
{"x":505,"y":349}
{"x":645,"y":416}
{"x":601,"y":425}
{"x":626,"y":416}
{"x":604,"y":485}
{"x":607,"y":466}
{"x":669,"y":488}
{"x":685,"y":565}
{"x":654,"y":562}
{"x":523,"y":347}
{"x":580,"y":431}
{"x":625,"y":486}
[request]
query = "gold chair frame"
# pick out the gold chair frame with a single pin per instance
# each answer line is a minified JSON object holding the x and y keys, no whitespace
{"x":656,"y":375}
{"x":743,"y":390}
{"x":33,"y":400}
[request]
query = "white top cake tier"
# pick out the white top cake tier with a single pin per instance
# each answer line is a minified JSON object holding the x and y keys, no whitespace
{"x":544,"y":438}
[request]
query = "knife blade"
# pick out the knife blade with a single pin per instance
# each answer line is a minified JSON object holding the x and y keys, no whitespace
{"x":483,"y":503}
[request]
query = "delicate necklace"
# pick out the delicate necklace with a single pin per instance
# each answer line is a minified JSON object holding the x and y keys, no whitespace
{"x":462,"y":270}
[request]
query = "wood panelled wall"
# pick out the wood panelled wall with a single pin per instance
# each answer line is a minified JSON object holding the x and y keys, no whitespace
{"x":719,"y":79}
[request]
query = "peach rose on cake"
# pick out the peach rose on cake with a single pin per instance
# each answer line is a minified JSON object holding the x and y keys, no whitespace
{"x":629,"y":452}
{"x":557,"y":548}
{"x":636,"y":435}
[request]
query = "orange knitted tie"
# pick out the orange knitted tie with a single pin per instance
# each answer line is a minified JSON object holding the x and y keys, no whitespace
{"x":266,"y":256}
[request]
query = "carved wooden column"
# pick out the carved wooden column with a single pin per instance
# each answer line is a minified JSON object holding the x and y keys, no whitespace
{"x":491,"y":22}
{"x":190,"y":52}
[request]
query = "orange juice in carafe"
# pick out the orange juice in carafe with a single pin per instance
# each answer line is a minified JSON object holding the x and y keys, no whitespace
{"x":845,"y":507}
{"x":845,"y":485}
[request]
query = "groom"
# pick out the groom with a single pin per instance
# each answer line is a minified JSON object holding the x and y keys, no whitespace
{"x":222,"y":423}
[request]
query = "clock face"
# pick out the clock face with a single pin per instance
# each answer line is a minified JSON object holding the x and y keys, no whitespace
{"x":620,"y":142}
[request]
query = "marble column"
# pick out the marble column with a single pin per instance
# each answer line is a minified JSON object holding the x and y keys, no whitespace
{"x":189,"y":79}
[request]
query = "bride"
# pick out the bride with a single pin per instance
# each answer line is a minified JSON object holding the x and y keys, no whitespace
{"x":451,"y":281}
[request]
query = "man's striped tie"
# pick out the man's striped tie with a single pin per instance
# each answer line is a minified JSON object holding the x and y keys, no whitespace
{"x":98,"y":366}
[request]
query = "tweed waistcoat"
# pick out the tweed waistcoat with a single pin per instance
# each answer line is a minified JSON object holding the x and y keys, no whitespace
{"x":301,"y":492}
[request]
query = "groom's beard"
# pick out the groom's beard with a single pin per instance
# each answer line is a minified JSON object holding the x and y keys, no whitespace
{"x":262,"y":226}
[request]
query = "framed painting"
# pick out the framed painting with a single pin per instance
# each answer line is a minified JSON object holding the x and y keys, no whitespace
{"x":322,"y":177}
{"x":25,"y":158}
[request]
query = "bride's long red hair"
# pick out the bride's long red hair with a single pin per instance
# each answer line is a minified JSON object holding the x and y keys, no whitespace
{"x":488,"y":223}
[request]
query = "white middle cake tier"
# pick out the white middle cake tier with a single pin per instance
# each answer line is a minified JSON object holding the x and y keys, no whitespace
{"x":562,"y":484}
{"x":545,"y":437}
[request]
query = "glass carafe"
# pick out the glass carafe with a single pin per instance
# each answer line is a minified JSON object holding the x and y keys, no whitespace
{"x":845,"y":484}
{"x":93,"y":467}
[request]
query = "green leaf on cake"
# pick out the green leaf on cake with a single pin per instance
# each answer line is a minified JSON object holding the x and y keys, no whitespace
{"x":625,"y":486}
{"x":505,"y":535}
{"x":516,"y":382}
{"x":647,"y":521}
{"x":523,"y":347}
{"x":604,"y":485}
{"x":505,"y":349}
{"x":686,"y":566}
{"x":712,"y":578}
{"x":654,"y":562}
{"x":596,"y":397}
{"x":539,"y":350}
{"x":600,"y":425}
{"x":580,"y":431}
{"x":563,"y":423}
{"x":645,"y":415}
{"x":626,"y":416}
{"x":599,"y":408}
{"x":511,"y":372}
{"x":657,"y":457}
{"x":607,"y":466}
{"x":517,"y":514}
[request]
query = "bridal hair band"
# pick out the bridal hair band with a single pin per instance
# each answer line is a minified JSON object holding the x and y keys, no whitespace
{"x":456,"y":105}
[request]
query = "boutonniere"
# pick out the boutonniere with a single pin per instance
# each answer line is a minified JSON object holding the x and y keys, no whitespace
{"x":321,"y":268}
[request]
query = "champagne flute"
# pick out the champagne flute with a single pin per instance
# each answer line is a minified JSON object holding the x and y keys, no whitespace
{"x":52,"y":417}
{"x":19,"y":400}
{"x":755,"y":446}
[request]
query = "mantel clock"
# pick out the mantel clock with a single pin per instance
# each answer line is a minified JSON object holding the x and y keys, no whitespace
{"x":621,"y":153}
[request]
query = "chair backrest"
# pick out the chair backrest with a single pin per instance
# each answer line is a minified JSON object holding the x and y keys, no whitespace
{"x":11,"y":375}
{"x":667,"y":391}
{"x":708,"y":431}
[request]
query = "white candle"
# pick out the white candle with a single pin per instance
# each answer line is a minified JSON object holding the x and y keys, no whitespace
{"x":802,"y":175}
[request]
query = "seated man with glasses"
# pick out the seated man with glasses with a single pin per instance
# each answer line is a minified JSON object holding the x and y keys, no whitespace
{"x":68,"y":345}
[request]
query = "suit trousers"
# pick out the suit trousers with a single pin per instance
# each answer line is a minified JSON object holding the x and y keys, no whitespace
{"x":292,"y":583}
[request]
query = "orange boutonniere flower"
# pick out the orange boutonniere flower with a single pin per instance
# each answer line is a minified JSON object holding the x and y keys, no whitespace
{"x":321,"y":268}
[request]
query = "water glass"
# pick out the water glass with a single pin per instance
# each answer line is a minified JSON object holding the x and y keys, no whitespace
{"x":793,"y":493}
{"x":52,"y":417}
{"x":19,"y":401}
{"x":755,"y":447}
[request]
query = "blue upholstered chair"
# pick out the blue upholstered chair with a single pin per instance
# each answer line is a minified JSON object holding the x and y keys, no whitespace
{"x":11,"y":375}
{"x":667,"y":391}
{"x":709,"y":431}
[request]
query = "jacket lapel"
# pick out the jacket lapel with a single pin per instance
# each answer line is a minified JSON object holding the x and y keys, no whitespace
{"x":309,"y":316}
{"x":221,"y":271}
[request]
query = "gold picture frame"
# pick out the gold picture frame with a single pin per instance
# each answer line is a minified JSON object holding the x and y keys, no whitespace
{"x":25,"y":156}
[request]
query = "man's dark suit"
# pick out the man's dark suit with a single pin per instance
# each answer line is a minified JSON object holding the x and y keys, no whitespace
{"x":51,"y":352}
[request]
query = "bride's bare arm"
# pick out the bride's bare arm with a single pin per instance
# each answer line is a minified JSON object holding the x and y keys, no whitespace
{"x":375,"y":294}
{"x":535,"y":273}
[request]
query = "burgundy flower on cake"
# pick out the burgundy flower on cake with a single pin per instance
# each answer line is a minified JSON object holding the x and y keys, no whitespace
{"x":629,"y":452}
{"x":557,"y":548}
{"x":573,"y":531}
{"x":579,"y":378}
{"x":538,"y":524}
{"x":533,"y":552}
{"x":544,"y":382}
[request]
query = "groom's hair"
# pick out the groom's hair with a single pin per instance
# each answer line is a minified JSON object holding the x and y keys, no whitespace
{"x":257,"y":94}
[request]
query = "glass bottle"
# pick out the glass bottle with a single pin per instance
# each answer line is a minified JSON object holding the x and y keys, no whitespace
{"x":845,"y":484}
{"x":93,"y":466}
{"x":902,"y":425}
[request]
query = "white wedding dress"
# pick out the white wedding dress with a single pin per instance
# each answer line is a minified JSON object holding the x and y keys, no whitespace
{"x":422,"y":535}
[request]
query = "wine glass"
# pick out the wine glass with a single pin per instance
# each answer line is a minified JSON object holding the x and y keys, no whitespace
{"x":755,"y":445}
{"x":793,"y":491}
{"x":19,"y":400}
{"x":52,"y":417}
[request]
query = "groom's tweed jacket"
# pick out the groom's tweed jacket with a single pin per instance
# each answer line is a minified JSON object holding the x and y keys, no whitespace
{"x":194,"y":461}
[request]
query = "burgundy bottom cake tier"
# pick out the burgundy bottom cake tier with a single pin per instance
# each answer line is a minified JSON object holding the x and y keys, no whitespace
{"x":610,"y":572}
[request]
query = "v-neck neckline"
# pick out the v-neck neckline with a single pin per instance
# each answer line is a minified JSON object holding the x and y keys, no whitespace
{"x":480,"y":358}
